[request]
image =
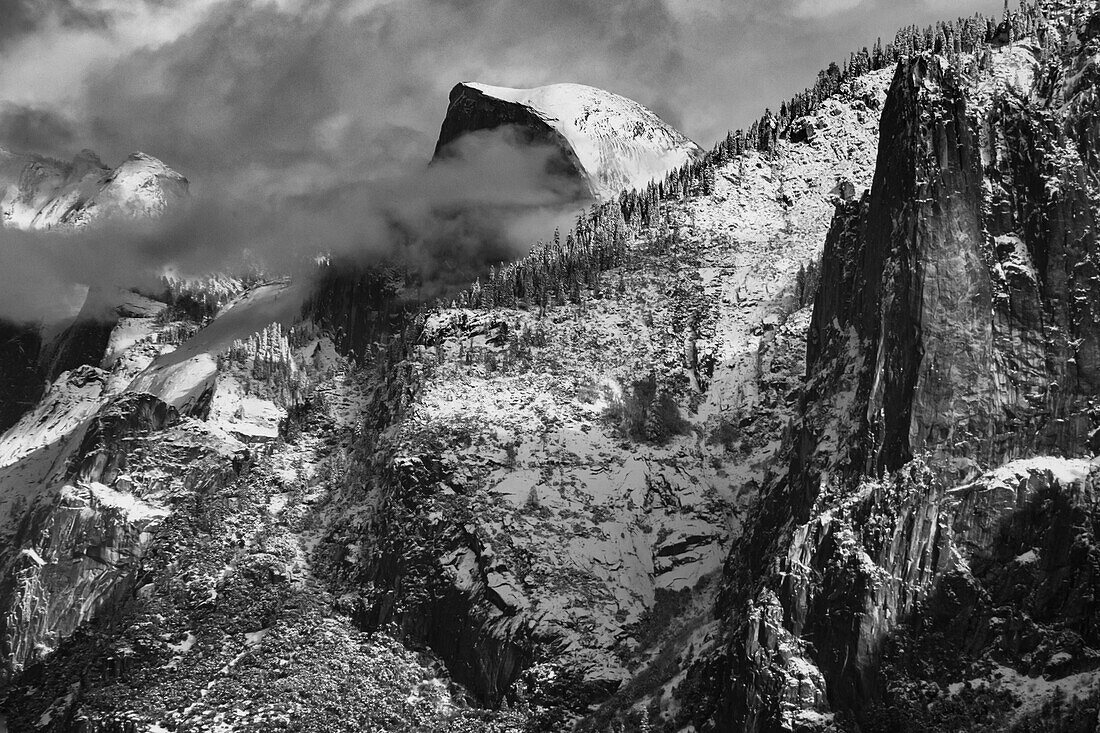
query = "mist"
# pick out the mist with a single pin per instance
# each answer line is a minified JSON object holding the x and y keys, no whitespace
{"x":305,"y":128}
{"x":444,"y":223}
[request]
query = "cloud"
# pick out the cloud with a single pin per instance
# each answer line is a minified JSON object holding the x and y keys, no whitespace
{"x":822,"y":8}
{"x":307,"y":126}
{"x":41,"y":130}
{"x":47,"y":47}
{"x":445,"y":222}
{"x":307,"y":131}
{"x":290,"y":69}
{"x":255,"y":82}
{"x":25,"y":17}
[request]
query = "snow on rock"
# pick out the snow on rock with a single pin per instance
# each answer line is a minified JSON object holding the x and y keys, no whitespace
{"x":31,"y":183}
{"x":186,"y":375}
{"x":129,"y":507}
{"x":1064,"y":470}
{"x":136,"y":324}
{"x":604,"y":529}
{"x":34,"y":452}
{"x":42,"y":193}
{"x":185,"y":645}
{"x":1031,"y":692}
{"x":1027,"y":558}
{"x":249,"y":417}
{"x":180,"y":384}
{"x":33,"y":555}
{"x":71,"y":400}
{"x":618,"y":144}
{"x":142,"y":187}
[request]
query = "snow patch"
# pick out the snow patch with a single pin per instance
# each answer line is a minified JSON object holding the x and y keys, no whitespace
{"x":34,"y":556}
{"x":184,"y":646}
{"x":1027,"y":558}
{"x":1064,"y":470}
{"x":128,"y":505}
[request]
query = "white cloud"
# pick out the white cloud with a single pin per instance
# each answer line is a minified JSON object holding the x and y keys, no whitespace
{"x":49,"y":67}
{"x":822,"y":8}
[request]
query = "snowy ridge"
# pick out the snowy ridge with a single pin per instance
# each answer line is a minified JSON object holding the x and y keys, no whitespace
{"x":620,"y":144}
{"x":41,"y":193}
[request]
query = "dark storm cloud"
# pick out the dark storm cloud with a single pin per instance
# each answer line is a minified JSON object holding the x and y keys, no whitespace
{"x":339,"y":84}
{"x":307,"y":132}
{"x":274,"y":78}
{"x":35,"y":129}
{"x":21,"y":18}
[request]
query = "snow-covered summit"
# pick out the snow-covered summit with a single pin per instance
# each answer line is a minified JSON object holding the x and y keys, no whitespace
{"x":615,"y":143}
{"x":37,"y":192}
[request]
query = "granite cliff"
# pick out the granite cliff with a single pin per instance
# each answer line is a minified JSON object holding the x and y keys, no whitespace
{"x":797,"y":436}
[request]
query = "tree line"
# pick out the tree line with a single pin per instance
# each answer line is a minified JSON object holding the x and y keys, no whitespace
{"x":566,"y":268}
{"x":973,"y":35}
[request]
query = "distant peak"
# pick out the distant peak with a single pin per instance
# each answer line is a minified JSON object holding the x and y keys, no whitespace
{"x":139,"y":161}
{"x":43,"y":193}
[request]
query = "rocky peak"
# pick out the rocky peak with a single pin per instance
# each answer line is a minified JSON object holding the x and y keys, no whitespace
{"x":42,"y":193}
{"x":612,"y":143}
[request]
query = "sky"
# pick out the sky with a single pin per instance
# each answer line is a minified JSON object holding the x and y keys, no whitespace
{"x":324,"y":113}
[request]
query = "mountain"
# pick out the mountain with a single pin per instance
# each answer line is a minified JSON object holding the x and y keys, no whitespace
{"x":43,"y":193}
{"x":798,"y":438}
{"x":610,"y":142}
{"x":39,"y":193}
{"x":929,"y":554}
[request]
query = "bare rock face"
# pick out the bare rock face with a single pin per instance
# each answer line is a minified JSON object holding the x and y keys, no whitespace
{"x":608,"y":143}
{"x":77,"y":551}
{"x":919,"y":308}
{"x":50,"y":591}
{"x":471,"y":109}
{"x":943,"y":440}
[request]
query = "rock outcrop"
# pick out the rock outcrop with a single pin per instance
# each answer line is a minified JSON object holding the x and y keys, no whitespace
{"x":77,"y":550}
{"x":945,"y":428}
{"x":610,"y":143}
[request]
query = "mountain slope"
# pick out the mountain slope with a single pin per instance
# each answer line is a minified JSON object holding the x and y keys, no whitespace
{"x":561,"y":487}
{"x":613,"y":143}
{"x":905,"y":571}
{"x":38,"y":193}
{"x":656,"y":475}
{"x":617,"y":535}
{"x":43,"y":193}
